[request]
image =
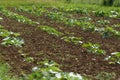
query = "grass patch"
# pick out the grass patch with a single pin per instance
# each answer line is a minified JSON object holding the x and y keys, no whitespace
{"x":4,"y":72}
{"x":27,"y":2}
{"x":52,"y":3}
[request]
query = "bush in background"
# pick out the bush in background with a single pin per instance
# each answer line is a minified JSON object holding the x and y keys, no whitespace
{"x":107,"y":2}
{"x":116,"y":3}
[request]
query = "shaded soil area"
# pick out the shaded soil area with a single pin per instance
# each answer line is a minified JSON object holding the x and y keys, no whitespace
{"x":42,"y":46}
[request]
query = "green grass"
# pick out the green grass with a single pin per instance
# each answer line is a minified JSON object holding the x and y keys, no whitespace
{"x":27,"y":2}
{"x":4,"y":72}
{"x":16,"y":2}
{"x":60,"y":3}
{"x":87,"y":1}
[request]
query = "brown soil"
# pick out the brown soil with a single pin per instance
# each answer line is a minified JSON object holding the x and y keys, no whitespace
{"x":71,"y":57}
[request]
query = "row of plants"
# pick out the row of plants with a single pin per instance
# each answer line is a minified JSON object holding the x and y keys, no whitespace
{"x":87,"y":11}
{"x":74,"y":10}
{"x":51,"y":30}
{"x":49,"y":70}
{"x":41,"y":11}
{"x":55,"y":15}
{"x":116,"y":25}
{"x":113,"y":58}
{"x":111,"y":14}
{"x":99,"y":13}
{"x":93,"y":48}
{"x":84,"y":22}
{"x":90,"y":47}
{"x":75,"y":40}
{"x":37,"y":10}
{"x":17,"y":17}
{"x":46,"y":70}
{"x":104,"y":31}
{"x":86,"y":25}
{"x":10,"y":38}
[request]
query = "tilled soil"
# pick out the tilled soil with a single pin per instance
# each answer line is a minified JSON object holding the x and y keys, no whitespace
{"x":111,"y":44}
{"x":42,"y":46}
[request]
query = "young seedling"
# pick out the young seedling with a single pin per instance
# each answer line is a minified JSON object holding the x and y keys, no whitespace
{"x":103,"y":22}
{"x":114,"y":58}
{"x":109,"y":31}
{"x":50,"y":30}
{"x":75,"y":40}
{"x":12,"y":41}
{"x":17,"y":17}
{"x":10,"y":38}
{"x":49,"y":70}
{"x":93,"y":48}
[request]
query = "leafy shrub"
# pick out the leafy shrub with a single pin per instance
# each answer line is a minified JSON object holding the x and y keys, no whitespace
{"x":47,"y":70}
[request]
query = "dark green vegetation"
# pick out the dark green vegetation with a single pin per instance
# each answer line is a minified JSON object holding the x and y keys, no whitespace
{"x":111,"y":3}
{"x":68,"y":42}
